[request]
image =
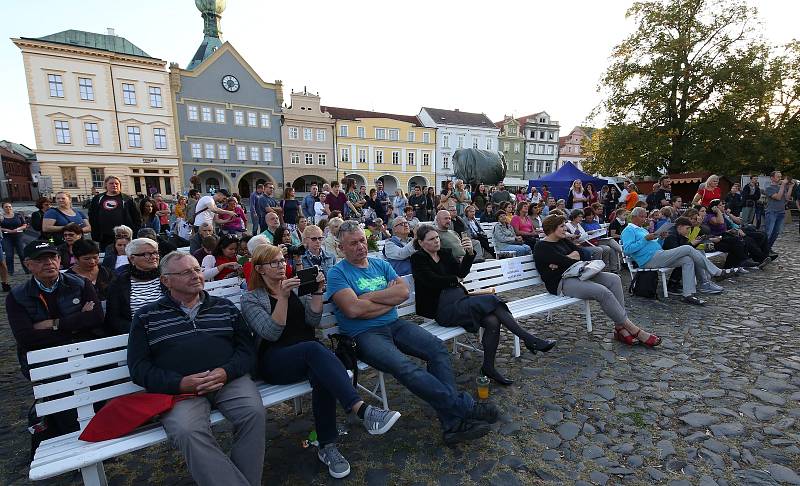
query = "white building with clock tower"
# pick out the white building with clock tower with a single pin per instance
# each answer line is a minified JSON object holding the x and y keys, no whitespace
{"x":228,"y":117}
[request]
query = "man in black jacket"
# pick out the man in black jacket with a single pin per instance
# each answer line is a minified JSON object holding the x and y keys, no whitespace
{"x":189,"y":342}
{"x":751,"y":194}
{"x":110,"y":209}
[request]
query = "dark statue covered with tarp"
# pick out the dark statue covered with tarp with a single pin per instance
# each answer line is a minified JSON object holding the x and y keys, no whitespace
{"x":475,"y":166}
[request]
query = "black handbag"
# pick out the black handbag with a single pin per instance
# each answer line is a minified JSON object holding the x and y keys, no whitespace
{"x":344,"y":347}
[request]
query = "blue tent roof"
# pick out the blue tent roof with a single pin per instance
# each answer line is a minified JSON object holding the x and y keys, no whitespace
{"x":561,"y":180}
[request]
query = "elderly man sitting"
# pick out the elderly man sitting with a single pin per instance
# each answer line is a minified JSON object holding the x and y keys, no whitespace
{"x":400,"y":247}
{"x":451,"y":239}
{"x":647,"y":253}
{"x":193,"y":343}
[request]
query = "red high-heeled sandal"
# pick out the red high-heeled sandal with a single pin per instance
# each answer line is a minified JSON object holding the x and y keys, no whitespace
{"x":618,"y":336}
{"x":651,"y":342}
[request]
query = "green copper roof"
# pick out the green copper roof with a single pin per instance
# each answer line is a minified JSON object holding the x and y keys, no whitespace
{"x":207,"y":47}
{"x":103,"y":42}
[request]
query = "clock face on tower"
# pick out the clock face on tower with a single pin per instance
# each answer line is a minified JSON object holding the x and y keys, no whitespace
{"x":230,"y":83}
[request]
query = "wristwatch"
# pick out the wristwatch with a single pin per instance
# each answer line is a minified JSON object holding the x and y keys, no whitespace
{"x":55,"y":324}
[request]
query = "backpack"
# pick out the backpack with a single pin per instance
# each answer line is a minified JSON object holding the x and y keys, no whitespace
{"x":344,"y":347}
{"x":645,"y":284}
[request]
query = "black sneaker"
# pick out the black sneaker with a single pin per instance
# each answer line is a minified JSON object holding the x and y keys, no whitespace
{"x":464,"y":431}
{"x":691,"y":299}
{"x":773,"y":256}
{"x":485,"y":412}
{"x":674,"y":290}
{"x":6,"y":287}
{"x":764,"y":263}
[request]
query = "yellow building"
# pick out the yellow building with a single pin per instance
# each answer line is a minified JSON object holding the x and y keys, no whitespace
{"x":394,"y":148}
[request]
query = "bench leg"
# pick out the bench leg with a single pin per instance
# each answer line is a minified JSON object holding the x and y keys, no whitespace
{"x":298,"y":405}
{"x":455,"y":345}
{"x":94,"y":475}
{"x":588,"y":316}
{"x":517,"y":351}
{"x":382,"y":385}
{"x":664,"y":284}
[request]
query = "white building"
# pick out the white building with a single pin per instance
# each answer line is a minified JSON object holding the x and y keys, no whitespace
{"x":541,"y":144}
{"x":455,"y":130}
{"x":100,"y":106}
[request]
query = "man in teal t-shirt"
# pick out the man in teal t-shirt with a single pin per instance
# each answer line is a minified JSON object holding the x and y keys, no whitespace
{"x":365,"y":292}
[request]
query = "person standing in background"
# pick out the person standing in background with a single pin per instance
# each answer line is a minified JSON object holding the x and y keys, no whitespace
{"x":751,"y":194}
{"x":254,"y":209}
{"x":111,"y":209}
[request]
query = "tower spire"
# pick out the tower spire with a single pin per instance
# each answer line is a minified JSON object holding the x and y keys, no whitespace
{"x":211,"y":11}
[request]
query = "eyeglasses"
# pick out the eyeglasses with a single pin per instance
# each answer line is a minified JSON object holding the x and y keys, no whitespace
{"x":276,"y":263}
{"x":191,"y":272}
{"x":149,"y":254}
{"x":316,"y":238}
{"x":400,"y":224}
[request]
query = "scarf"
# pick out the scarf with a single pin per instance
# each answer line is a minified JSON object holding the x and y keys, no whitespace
{"x":144,"y":275}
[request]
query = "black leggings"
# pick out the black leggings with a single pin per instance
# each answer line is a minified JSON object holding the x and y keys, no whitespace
{"x":491,"y":324}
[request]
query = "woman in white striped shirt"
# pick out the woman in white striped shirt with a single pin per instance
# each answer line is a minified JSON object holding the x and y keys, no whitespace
{"x":138,"y":285}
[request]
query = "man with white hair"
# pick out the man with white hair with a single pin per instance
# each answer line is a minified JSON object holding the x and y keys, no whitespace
{"x":640,"y":245}
{"x":315,"y":255}
{"x":189,"y":342}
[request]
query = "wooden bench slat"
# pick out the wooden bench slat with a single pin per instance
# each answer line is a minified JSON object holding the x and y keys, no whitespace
{"x":75,"y":383}
{"x":68,"y":367}
{"x":76,"y":349}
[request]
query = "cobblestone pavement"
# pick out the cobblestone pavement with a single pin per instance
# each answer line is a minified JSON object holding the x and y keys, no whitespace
{"x":717,"y":403}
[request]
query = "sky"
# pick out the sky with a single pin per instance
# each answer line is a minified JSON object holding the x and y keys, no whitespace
{"x":499,"y":57}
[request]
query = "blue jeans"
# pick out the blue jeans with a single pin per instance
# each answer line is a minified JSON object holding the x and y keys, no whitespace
{"x":312,"y":361}
{"x":13,"y":242}
{"x":520,"y":250}
{"x":388,"y":348}
{"x":773,"y":224}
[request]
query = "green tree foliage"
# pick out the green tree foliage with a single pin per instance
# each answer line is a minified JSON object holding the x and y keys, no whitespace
{"x":696,"y":87}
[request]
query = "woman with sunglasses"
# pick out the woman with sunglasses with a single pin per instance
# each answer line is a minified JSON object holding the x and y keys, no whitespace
{"x":288,"y":352}
{"x":136,"y":286}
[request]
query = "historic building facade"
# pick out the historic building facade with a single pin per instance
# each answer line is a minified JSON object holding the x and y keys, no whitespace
{"x":541,"y":144}
{"x":307,"y":137}
{"x":570,"y":147}
{"x":457,"y":129}
{"x":100,"y":106}
{"x":228,"y":118}
{"x":397,"y":149}
{"x":511,"y":142}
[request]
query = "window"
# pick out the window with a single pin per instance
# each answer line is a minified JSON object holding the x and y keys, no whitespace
{"x":56,"y":85}
{"x":488,"y":144}
{"x":460,"y":141}
{"x":394,"y":134}
{"x":542,"y":120}
{"x":69,"y":177}
{"x":196,"y":154}
{"x":238,"y":117}
{"x":379,"y":156}
{"x":411,"y":160}
{"x":395,"y":157}
{"x":267,"y":154}
{"x":541,"y":134}
{"x":86,"y":89}
{"x":362,"y":132}
{"x":321,"y":136}
{"x":426,"y":159}
{"x":345,"y":155}
{"x":541,"y":149}
{"x":98,"y":175}
{"x":426,"y":137}
{"x":445,"y":161}
{"x":446,"y":141}
{"x":506,"y":146}
{"x":220,"y":115}
{"x":512,"y":130}
{"x":547,"y":166}
{"x":533,"y":134}
{"x":321,"y":159}
{"x":362,"y":156}
{"x":92,"y":133}
{"x":294,"y":133}
{"x":529,"y":165}
{"x":550,"y":135}
{"x":252,"y":120}
{"x":155,"y":97}
{"x":191,"y":112}
{"x":538,"y":166}
{"x":343,"y":131}
{"x":380,"y":134}
{"x":412,"y":136}
{"x":255,"y":153}
{"x":241,"y":152}
{"x":205,"y":112}
{"x":474,"y":142}
{"x":308,"y":134}
{"x":515,"y":165}
{"x":309,"y":159}
{"x":62,"y":132}
{"x":550,"y":150}
{"x":128,"y":94}
{"x":222,"y":151}
{"x":265,"y":120}
{"x":295,"y":158}
{"x":209,"y":150}
{"x":516,"y":148}
{"x":134,"y":137}
{"x":160,"y":138}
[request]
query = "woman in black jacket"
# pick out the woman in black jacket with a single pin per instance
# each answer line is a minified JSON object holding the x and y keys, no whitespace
{"x":440,"y":296}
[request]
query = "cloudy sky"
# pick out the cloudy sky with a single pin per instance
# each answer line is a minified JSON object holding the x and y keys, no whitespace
{"x":498,"y":57}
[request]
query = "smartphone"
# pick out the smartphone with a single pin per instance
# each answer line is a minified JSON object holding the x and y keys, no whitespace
{"x":308,"y":280}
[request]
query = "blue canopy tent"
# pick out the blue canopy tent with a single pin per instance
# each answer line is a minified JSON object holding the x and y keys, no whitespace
{"x":559,"y":182}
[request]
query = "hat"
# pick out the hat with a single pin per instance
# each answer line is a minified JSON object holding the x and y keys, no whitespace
{"x":224,"y":192}
{"x":38,"y":247}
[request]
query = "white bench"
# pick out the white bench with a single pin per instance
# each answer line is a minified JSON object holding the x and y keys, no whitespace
{"x":76,"y":376}
{"x":661,"y":271}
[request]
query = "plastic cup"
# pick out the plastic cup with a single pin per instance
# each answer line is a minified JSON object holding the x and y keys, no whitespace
{"x":483,"y":387}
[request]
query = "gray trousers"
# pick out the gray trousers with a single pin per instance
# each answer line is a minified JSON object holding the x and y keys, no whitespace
{"x":605,"y":288}
{"x":747,"y":214}
{"x":613,"y":255}
{"x":693,"y":264}
{"x":189,"y":430}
